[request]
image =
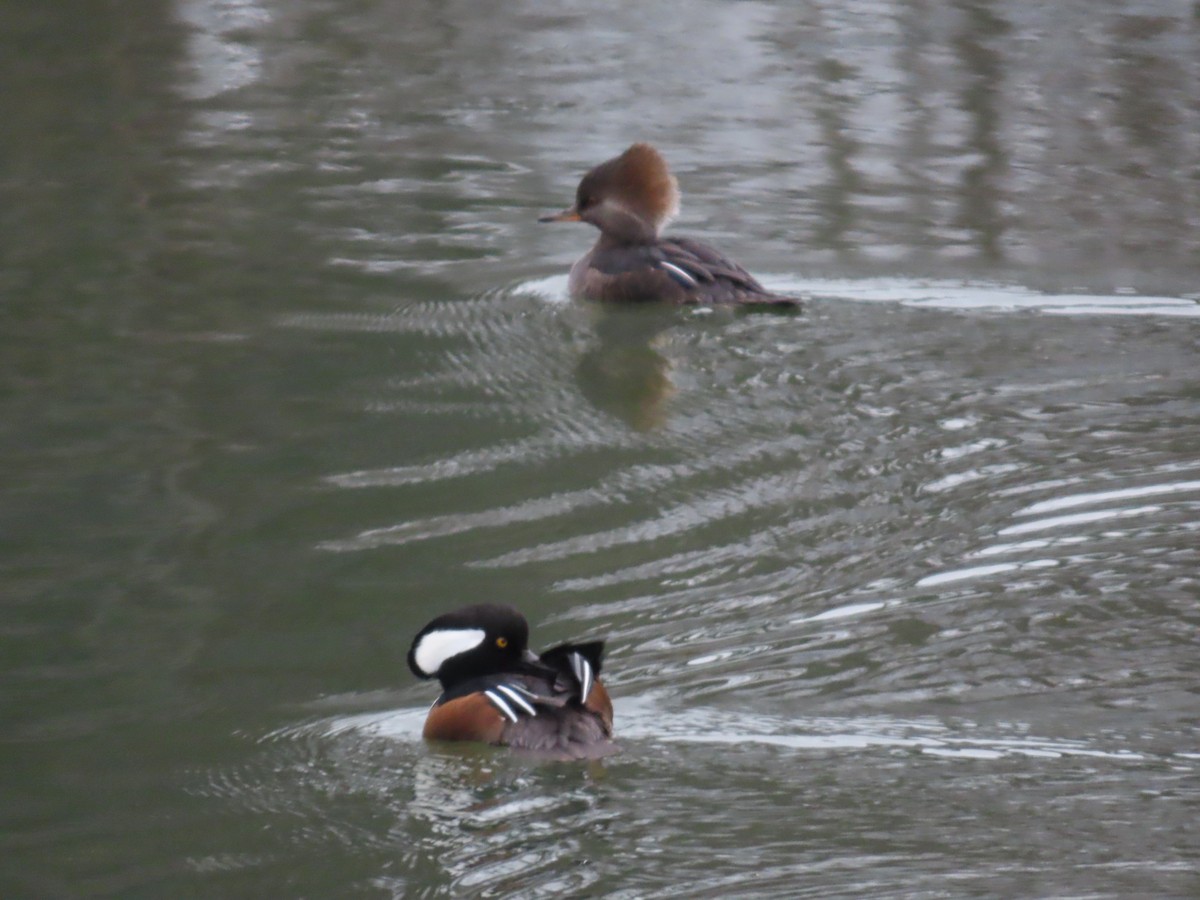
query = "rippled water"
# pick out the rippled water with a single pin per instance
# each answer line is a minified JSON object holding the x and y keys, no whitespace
{"x":901,"y":593}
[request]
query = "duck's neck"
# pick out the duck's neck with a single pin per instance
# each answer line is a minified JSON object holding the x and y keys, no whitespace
{"x":638,"y":233}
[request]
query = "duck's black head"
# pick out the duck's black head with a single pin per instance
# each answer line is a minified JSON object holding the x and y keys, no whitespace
{"x":472,"y":642}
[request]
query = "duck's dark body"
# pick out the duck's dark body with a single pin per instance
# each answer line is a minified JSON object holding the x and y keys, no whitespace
{"x":562,"y":729}
{"x":630,"y":198}
{"x":675,"y":270}
{"x":497,"y":692}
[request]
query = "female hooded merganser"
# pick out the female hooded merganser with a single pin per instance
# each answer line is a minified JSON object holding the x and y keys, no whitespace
{"x":495,"y":690}
{"x":630,"y":198}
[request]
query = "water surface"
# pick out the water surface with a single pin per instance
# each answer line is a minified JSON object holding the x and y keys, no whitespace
{"x":901,"y":594}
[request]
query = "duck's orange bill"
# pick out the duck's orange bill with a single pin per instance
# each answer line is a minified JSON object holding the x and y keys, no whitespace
{"x":567,"y":215}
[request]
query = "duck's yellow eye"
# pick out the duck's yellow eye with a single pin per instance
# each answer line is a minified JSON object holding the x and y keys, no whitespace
{"x":501,"y":643}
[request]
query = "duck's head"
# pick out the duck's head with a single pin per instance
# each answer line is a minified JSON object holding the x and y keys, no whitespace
{"x":472,"y":642}
{"x":629,"y":198}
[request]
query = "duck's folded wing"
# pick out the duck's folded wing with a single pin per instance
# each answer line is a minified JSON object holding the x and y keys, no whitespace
{"x":577,"y":666}
{"x":568,"y":733}
{"x":560,"y":726}
{"x":513,"y":700}
{"x":527,"y":713}
{"x":696,"y":260}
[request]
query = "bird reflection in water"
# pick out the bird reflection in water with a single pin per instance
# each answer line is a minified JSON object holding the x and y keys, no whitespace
{"x":623,"y":372}
{"x":626,"y":372}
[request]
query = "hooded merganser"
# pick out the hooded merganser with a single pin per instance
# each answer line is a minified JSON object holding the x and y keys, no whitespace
{"x":630,"y":198}
{"x":496,"y":690}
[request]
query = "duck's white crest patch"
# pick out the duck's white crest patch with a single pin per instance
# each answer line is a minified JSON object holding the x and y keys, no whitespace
{"x":438,"y":646}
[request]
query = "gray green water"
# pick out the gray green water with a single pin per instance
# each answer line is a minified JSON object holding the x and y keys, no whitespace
{"x":901,"y":594}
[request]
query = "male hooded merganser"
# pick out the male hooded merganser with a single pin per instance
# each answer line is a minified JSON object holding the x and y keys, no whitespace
{"x":496,"y":690}
{"x":630,"y":198}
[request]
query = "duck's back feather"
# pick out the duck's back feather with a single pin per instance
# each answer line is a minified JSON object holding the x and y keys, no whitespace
{"x":543,"y":713}
{"x":675,"y":269}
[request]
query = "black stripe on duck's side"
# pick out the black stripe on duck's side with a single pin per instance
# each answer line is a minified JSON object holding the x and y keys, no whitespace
{"x":512,"y":700}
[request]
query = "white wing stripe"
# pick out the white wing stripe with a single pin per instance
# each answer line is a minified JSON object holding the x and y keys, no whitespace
{"x":514,"y":694}
{"x":499,"y":703}
{"x":583,"y":674}
{"x":681,"y":274}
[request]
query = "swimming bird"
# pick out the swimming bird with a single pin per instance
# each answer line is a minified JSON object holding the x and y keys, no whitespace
{"x":497,"y":691}
{"x":630,"y":198}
